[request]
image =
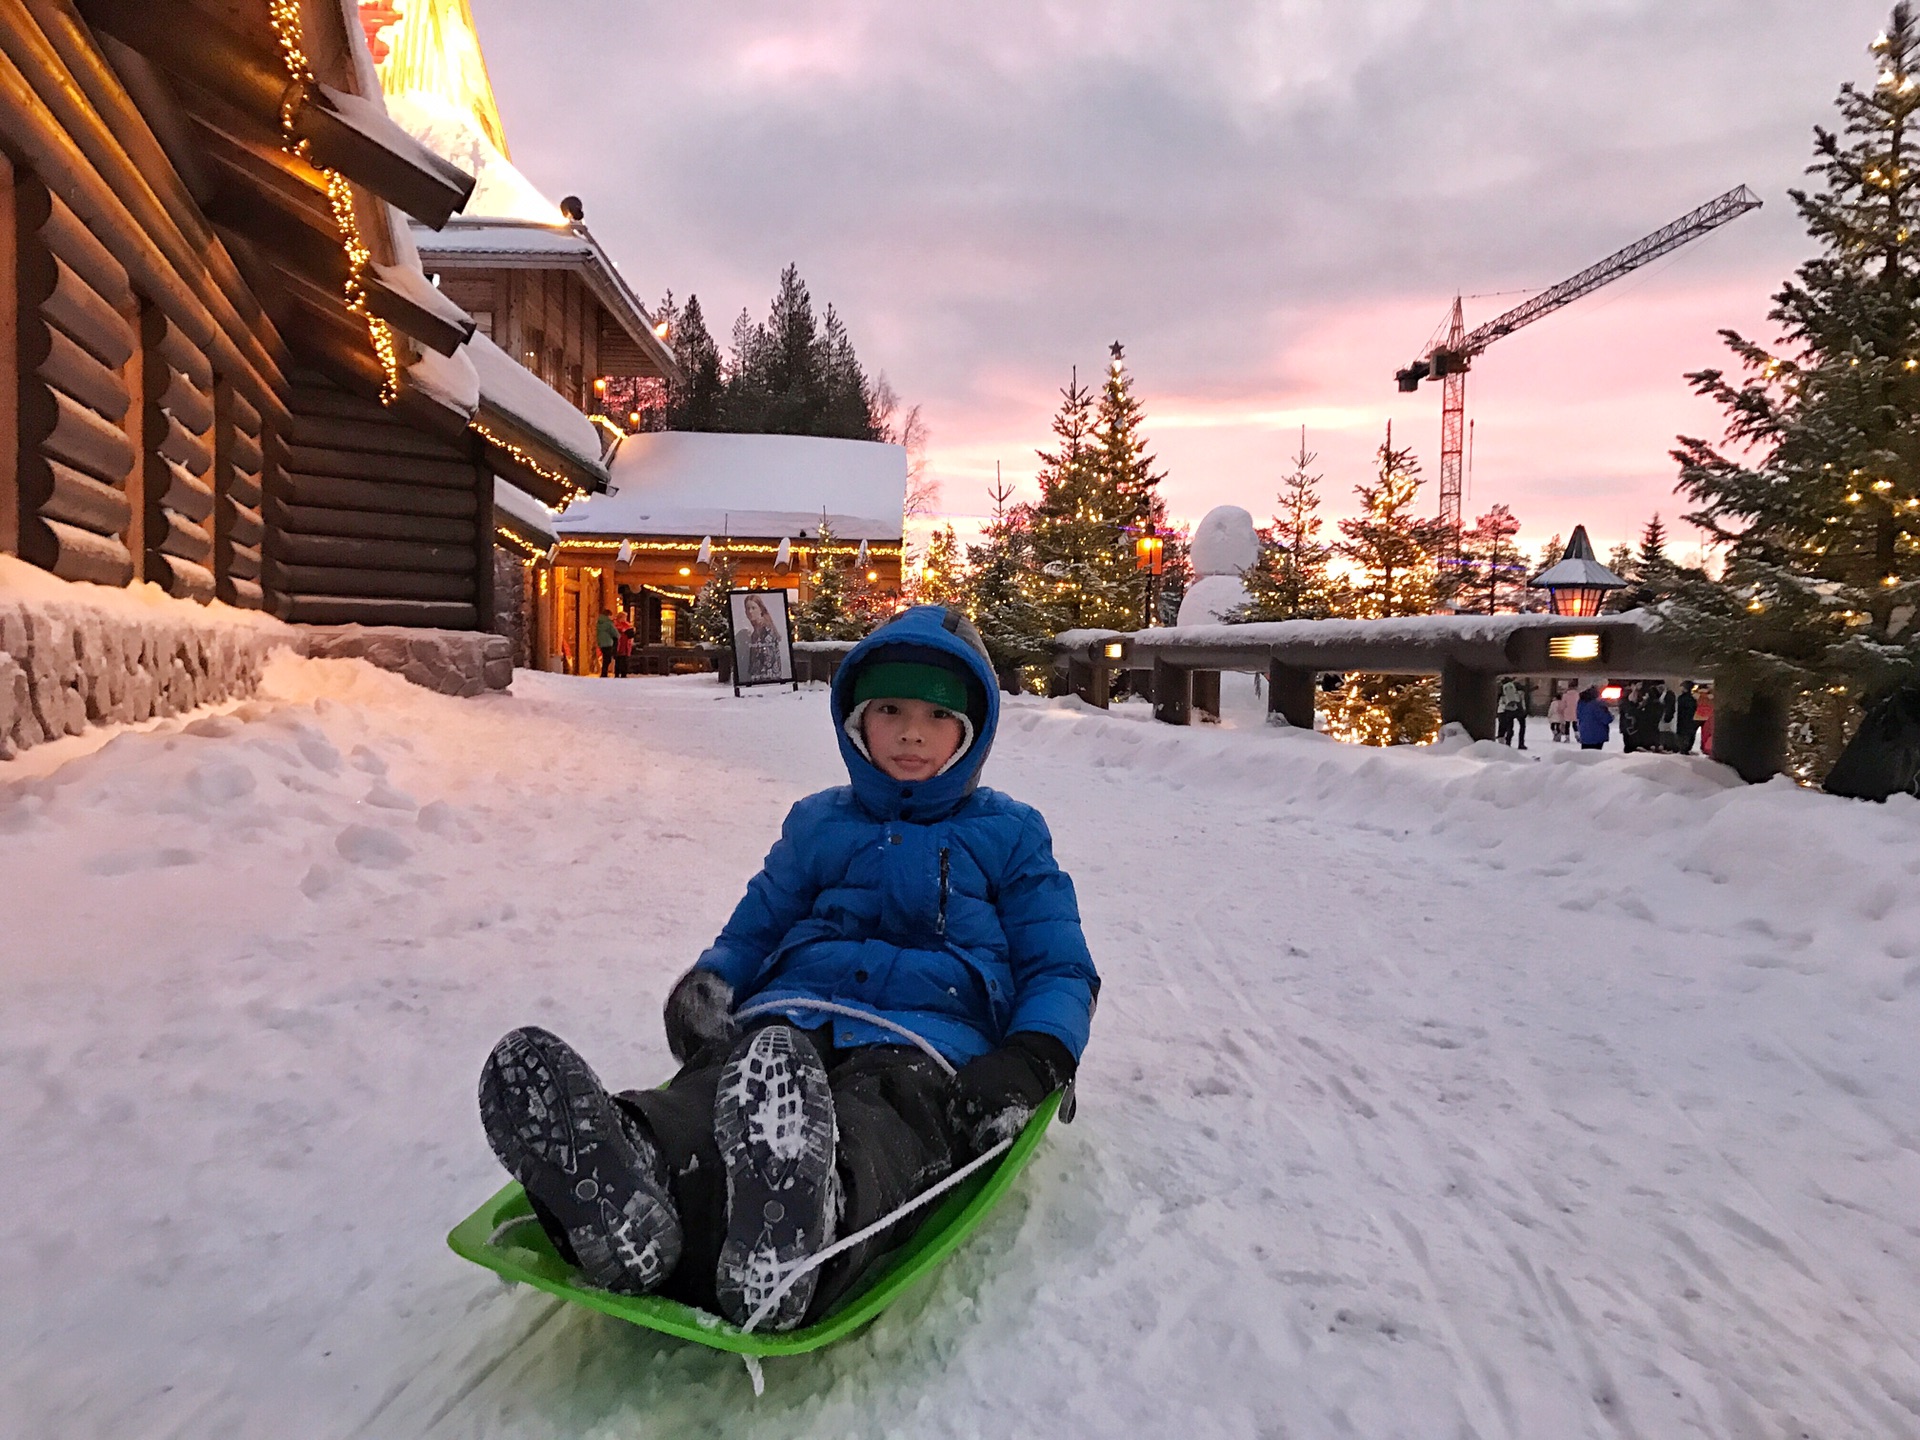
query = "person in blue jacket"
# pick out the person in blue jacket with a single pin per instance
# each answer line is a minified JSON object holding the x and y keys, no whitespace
{"x":1593,"y":719}
{"x":911,"y":911}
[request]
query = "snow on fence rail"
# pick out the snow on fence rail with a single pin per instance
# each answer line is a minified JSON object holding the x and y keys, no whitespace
{"x":1178,"y":667}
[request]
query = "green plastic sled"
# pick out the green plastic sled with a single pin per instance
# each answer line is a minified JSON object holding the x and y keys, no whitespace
{"x":522,"y":1252}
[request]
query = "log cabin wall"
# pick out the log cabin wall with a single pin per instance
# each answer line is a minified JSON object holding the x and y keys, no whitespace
{"x":239,"y":488}
{"x":177,"y":455}
{"x":372,"y":521}
{"x":75,"y":341}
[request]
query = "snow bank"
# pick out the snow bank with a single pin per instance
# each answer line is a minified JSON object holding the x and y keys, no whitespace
{"x":72,"y":656}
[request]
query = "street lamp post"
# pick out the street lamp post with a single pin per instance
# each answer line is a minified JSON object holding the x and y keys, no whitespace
{"x":1149,"y":557}
{"x":1579,"y":584}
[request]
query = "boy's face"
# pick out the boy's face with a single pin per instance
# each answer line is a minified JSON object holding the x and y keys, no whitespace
{"x":910,"y":739}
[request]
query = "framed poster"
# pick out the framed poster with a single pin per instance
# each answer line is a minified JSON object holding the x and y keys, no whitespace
{"x":762,"y":638}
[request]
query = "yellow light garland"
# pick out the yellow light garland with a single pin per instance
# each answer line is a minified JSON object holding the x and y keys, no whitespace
{"x":524,"y":457}
{"x":284,"y":16}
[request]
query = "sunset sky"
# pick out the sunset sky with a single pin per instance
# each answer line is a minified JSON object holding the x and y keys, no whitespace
{"x":1272,"y":205}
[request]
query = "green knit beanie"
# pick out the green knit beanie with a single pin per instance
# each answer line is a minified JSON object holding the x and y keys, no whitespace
{"x":910,"y":680}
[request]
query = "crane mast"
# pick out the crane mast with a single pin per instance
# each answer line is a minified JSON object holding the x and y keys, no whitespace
{"x":1449,"y":361}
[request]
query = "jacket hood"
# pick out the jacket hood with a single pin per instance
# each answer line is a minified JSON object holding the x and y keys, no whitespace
{"x":922,"y":629}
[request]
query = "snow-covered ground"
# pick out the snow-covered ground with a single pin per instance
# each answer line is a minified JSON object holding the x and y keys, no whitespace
{"x":1431,"y":1094}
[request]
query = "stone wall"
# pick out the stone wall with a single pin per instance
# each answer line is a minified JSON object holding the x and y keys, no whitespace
{"x":66,"y":666}
{"x":450,"y":662}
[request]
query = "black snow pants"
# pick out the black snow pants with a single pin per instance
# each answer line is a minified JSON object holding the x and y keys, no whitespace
{"x":895,"y":1140}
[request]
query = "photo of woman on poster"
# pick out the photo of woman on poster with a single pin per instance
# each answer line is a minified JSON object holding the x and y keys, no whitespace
{"x":762,"y":651}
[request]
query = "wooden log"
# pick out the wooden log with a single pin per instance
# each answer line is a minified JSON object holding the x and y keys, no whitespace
{"x":243,"y":592}
{"x":48,"y":353}
{"x":244,"y":562}
{"x":400,"y":310}
{"x":372,"y":584}
{"x":245,"y":488}
{"x":185,"y":401}
{"x":244,"y":526}
{"x":174,"y":346}
{"x":83,"y":501}
{"x":62,"y":233}
{"x":1206,"y":695}
{"x":313,"y":395}
{"x":67,"y":431}
{"x":359,"y":465}
{"x":186,"y":494}
{"x":175,"y":443}
{"x":1470,"y":698}
{"x":1172,"y":693}
{"x":354,"y":552}
{"x":354,"y":136}
{"x":73,"y":553}
{"x":352,"y":610}
{"x":246,"y":421}
{"x":383,"y":437}
{"x":182,"y":538}
{"x":329,"y":490}
{"x":245,"y":451}
{"x":37,"y":114}
{"x":1290,"y":694}
{"x":315,"y":520}
{"x":76,"y":307}
{"x":12,"y":482}
{"x":182,"y":578}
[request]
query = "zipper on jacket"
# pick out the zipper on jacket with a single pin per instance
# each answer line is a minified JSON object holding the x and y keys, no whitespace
{"x":940,"y":926}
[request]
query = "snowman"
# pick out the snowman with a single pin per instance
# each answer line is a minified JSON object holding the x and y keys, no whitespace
{"x":1224,"y":546}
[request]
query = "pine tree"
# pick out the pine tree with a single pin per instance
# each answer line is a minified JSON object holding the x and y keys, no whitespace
{"x":943,"y":574}
{"x":796,"y":374}
{"x":1538,"y":601}
{"x":1290,"y":579}
{"x":1392,"y":551}
{"x":1817,"y":498}
{"x":1393,"y":554}
{"x":695,"y":402}
{"x":708,"y":621}
{"x":1123,"y":467}
{"x":1493,"y":572}
{"x":830,"y":611}
{"x":1651,"y":574}
{"x":1083,"y":557}
{"x":1014,"y":627}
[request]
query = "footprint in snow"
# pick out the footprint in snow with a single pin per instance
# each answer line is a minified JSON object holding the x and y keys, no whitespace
{"x":375,"y":849}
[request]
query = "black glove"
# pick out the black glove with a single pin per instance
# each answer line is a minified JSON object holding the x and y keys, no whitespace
{"x":699,"y":1013}
{"x":992,"y":1098}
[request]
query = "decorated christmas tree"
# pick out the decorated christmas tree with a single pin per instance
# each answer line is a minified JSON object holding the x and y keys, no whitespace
{"x":1076,"y":530}
{"x":1816,"y":492}
{"x":1000,"y":575}
{"x":707,"y":619}
{"x":1124,"y":473}
{"x":943,"y":573}
{"x":1392,"y":556}
{"x":830,"y":611}
{"x":1290,"y":579}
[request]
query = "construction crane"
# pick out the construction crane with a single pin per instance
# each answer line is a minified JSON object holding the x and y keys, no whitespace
{"x":1450,"y":359}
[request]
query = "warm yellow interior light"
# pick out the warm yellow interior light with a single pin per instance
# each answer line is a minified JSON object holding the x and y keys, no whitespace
{"x":1573,"y":647}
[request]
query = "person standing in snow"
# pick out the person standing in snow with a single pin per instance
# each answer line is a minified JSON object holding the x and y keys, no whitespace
{"x":623,"y":646}
{"x":1513,"y":711}
{"x":1686,"y":725}
{"x":927,"y":906}
{"x":1593,"y":719}
{"x":606,"y":637}
{"x":1561,"y":712}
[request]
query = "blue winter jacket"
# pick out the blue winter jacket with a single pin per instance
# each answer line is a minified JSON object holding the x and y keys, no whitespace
{"x":935,"y":904}
{"x":1594,"y":720}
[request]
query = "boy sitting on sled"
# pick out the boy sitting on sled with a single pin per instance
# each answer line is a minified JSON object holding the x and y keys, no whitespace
{"x":925,"y":905}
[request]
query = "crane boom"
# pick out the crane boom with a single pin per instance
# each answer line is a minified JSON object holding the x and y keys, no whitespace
{"x":1688,"y":227}
{"x":1450,"y":360}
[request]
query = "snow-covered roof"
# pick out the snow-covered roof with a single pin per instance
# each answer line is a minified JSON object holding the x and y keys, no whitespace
{"x":523,"y":514}
{"x":1578,"y":566}
{"x":682,"y":483}
{"x":521,"y":395}
{"x":496,"y":242}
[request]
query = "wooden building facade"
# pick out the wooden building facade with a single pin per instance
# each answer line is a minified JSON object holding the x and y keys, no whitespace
{"x":222,"y":369}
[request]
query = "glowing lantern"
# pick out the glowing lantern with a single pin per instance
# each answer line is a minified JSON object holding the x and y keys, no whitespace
{"x":1579,"y":583}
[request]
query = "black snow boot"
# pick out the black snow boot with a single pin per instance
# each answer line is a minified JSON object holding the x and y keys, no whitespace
{"x":773,"y":1120}
{"x":590,"y":1172}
